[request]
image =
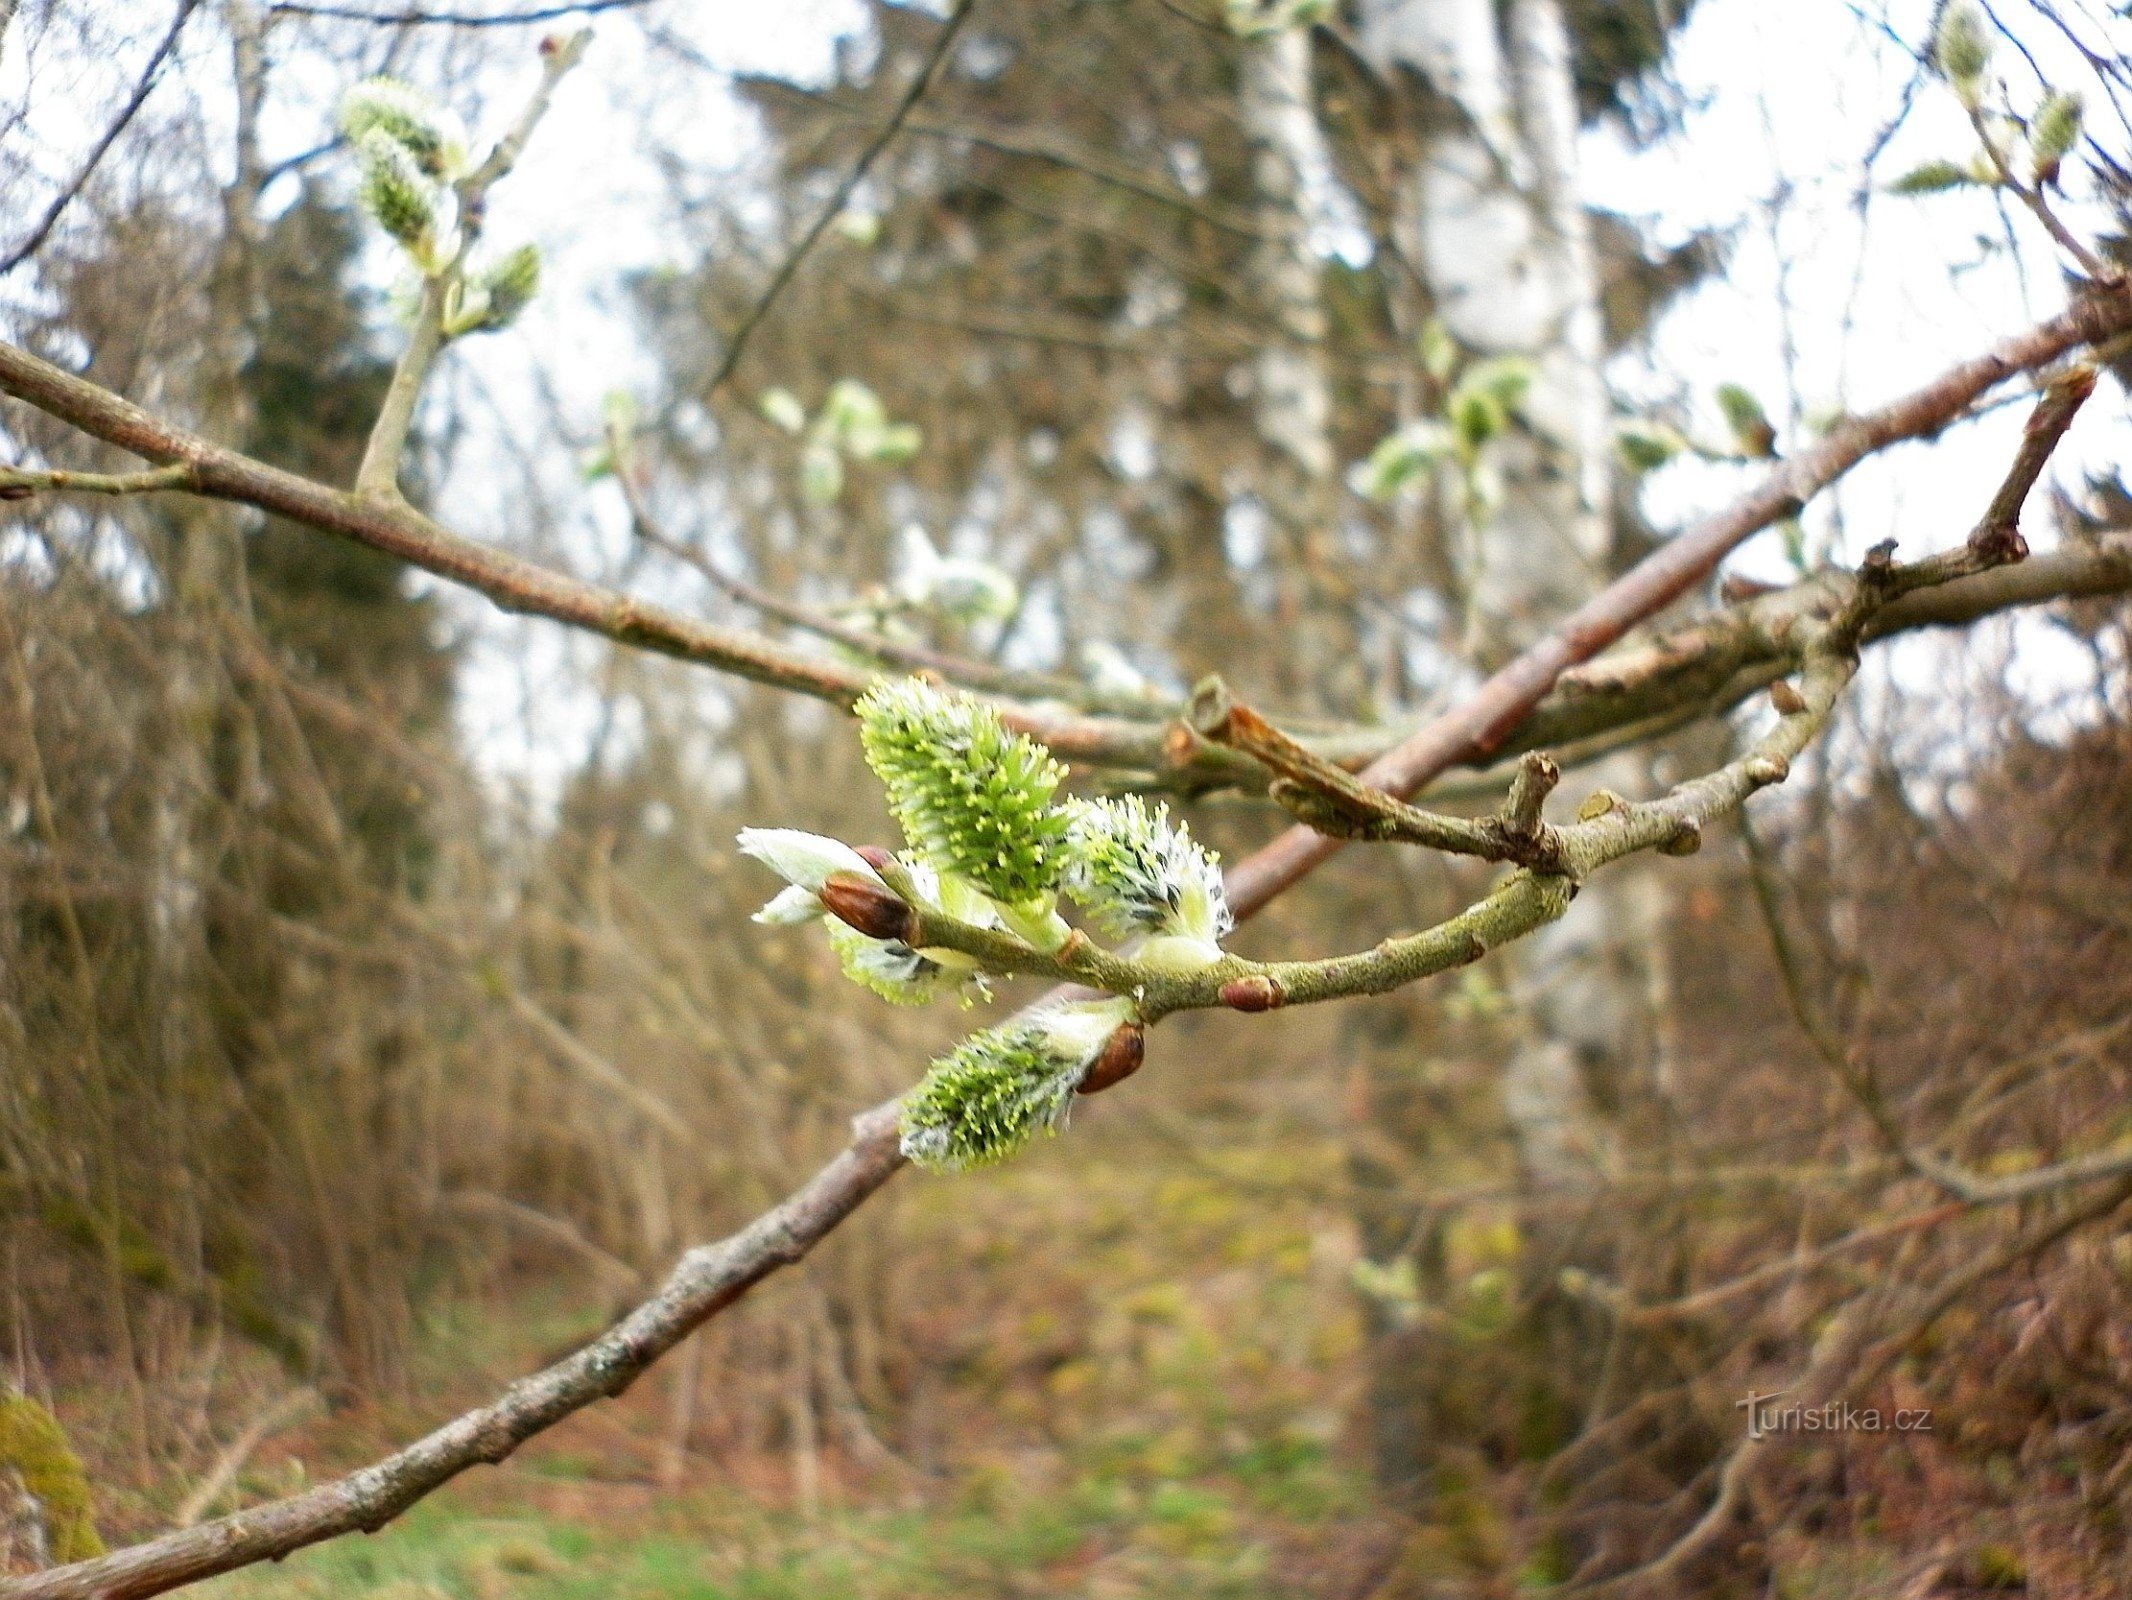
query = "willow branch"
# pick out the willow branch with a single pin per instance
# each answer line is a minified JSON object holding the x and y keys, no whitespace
{"x":1517,"y":906}
{"x":20,"y":483}
{"x":378,"y":476}
{"x":713,"y":1276}
{"x":1334,"y":802}
{"x":1479,"y":728}
{"x":2040,"y":207}
{"x":1168,"y":755}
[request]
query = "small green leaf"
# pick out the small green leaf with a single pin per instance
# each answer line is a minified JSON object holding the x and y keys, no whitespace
{"x":1476,"y":417}
{"x":1793,"y":535}
{"x":1747,"y":420}
{"x":1506,"y":379}
{"x":1401,"y":458}
{"x":1439,"y":351}
{"x":893,"y":445}
{"x":782,"y":409}
{"x":821,"y":473}
{"x":1646,"y":446}
{"x":860,"y":226}
{"x":853,"y":411}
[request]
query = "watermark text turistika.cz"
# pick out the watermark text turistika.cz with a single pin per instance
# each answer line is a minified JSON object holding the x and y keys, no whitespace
{"x":1765,"y":1416}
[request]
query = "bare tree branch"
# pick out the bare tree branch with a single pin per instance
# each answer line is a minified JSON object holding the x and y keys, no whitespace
{"x":1480,"y":727}
{"x":142,"y":88}
{"x":416,"y":18}
{"x":713,"y":1276}
{"x":737,"y":341}
{"x":707,"y":1279}
{"x":1473,"y":735}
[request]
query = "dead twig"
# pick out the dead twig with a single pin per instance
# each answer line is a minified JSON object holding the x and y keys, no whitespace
{"x":239,"y":1450}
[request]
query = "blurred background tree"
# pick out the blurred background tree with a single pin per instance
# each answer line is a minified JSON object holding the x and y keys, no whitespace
{"x":1278,"y":340}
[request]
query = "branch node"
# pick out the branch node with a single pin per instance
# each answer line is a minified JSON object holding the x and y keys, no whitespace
{"x":1765,"y":770}
{"x":1685,"y":839}
{"x":1536,"y":778}
{"x":1207,"y":712}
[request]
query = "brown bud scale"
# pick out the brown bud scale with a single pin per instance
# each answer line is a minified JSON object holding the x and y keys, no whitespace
{"x":1118,"y":1060}
{"x":868,"y":907}
{"x":1255,"y":993}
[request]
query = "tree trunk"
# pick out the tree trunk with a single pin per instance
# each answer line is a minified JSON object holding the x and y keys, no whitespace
{"x":1491,"y":219}
{"x":1292,"y":382}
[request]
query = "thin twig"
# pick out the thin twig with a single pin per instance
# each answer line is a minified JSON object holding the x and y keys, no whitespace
{"x":231,"y":1461}
{"x":712,"y":1277}
{"x":141,"y":90}
{"x":378,"y":475}
{"x":737,"y":341}
{"x":20,"y":483}
{"x":451,"y":19}
{"x":1334,"y":802}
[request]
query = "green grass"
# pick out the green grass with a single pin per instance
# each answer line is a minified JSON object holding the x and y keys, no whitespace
{"x":1186,"y":1540}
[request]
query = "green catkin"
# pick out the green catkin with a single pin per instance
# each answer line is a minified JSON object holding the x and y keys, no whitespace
{"x":989,"y":1096}
{"x":403,"y":114}
{"x":975,"y":799}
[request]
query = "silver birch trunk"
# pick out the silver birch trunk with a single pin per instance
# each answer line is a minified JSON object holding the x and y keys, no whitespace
{"x":1494,"y":224}
{"x":1298,"y":483}
{"x":1293,"y":389}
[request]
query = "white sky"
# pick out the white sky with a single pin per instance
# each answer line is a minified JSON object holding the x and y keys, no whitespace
{"x":1786,"y":96}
